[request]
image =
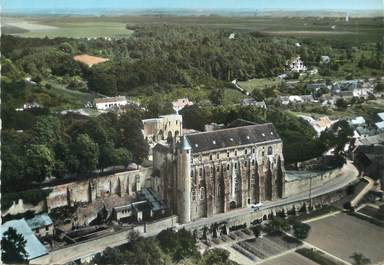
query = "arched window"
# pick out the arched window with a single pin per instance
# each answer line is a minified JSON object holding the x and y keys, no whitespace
{"x":228,"y":167}
{"x":193,"y":192}
{"x":270,"y":150}
{"x":202,"y":193}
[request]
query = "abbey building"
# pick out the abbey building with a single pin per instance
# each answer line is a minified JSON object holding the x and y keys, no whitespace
{"x":207,"y":173}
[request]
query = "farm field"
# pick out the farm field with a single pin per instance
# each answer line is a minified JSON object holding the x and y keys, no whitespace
{"x":53,"y":29}
{"x":335,"y":235}
{"x":114,"y":26}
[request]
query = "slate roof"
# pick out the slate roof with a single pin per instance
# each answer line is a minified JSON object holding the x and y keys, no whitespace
{"x":33,"y":246}
{"x":225,"y":138}
{"x":381,"y":115}
{"x":380,"y":125}
{"x":40,"y":220}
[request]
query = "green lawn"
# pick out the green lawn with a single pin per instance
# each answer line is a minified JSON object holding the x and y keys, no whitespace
{"x":260,"y":83}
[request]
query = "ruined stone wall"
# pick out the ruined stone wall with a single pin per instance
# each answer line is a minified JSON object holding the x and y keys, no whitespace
{"x":125,"y":183}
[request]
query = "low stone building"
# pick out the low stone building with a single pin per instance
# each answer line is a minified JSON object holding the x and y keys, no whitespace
{"x":163,"y":128}
{"x":41,"y":225}
{"x":110,"y":103}
{"x":214,"y":172}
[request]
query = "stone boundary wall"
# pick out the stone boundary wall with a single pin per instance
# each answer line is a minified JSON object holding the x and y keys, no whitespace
{"x":296,"y":186}
{"x":161,"y":224}
{"x":125,"y":183}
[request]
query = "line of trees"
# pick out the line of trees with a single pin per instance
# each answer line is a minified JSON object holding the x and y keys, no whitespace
{"x":66,"y":145}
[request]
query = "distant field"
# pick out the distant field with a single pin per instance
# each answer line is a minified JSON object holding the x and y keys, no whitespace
{"x":104,"y":26}
{"x":53,"y":29}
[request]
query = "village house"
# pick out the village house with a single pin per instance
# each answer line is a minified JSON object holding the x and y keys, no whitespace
{"x":181,"y":103}
{"x":294,"y":99}
{"x":296,"y":65}
{"x":320,"y":124}
{"x":351,"y":88}
{"x":110,"y":102}
{"x":253,"y":102}
{"x":325,"y":59}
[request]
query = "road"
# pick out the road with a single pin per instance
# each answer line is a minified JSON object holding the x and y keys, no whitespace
{"x":349,"y":174}
{"x":82,"y":250}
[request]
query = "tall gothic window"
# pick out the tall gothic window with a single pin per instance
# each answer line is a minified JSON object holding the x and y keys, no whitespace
{"x":202,"y":193}
{"x":237,"y":184}
{"x":193,"y":192}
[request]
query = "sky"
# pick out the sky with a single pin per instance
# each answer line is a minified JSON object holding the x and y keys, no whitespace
{"x":194,"y":4}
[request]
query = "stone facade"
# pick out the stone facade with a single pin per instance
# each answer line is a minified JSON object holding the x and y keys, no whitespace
{"x":160,"y":129}
{"x":214,"y":172}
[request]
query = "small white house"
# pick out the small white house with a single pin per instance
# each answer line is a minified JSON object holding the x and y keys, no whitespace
{"x":110,"y":103}
{"x":325,"y":59}
{"x":232,"y":36}
{"x":297,"y":65}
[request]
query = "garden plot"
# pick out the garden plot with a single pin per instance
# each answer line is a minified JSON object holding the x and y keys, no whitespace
{"x":337,"y":235}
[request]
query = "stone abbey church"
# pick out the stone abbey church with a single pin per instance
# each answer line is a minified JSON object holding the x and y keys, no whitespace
{"x":213,"y":172}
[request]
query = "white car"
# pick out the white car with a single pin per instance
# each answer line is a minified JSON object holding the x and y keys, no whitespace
{"x":257,"y":206}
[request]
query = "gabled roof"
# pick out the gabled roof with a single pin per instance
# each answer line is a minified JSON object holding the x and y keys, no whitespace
{"x":225,"y":138}
{"x":33,"y":246}
{"x":110,"y":99}
{"x":40,"y":220}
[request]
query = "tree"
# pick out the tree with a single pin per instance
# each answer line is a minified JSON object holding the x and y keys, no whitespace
{"x":178,"y":245}
{"x":215,"y":256}
{"x":131,"y":136}
{"x":256,"y":231}
{"x":122,"y":156}
{"x":216,"y":96}
{"x":337,"y":136}
{"x":301,"y":230}
{"x":147,"y":252}
{"x":13,"y":247}
{"x":379,"y":87}
{"x":341,"y":104}
{"x":87,"y":153}
{"x":360,"y":259}
{"x":258,"y":94}
{"x":40,"y":162}
{"x":278,"y":225}
{"x":47,"y":130}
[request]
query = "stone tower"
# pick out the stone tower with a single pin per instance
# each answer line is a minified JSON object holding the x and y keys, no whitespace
{"x":184,"y":180}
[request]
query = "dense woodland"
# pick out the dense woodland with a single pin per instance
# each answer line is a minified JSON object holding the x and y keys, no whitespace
{"x":39,"y":142}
